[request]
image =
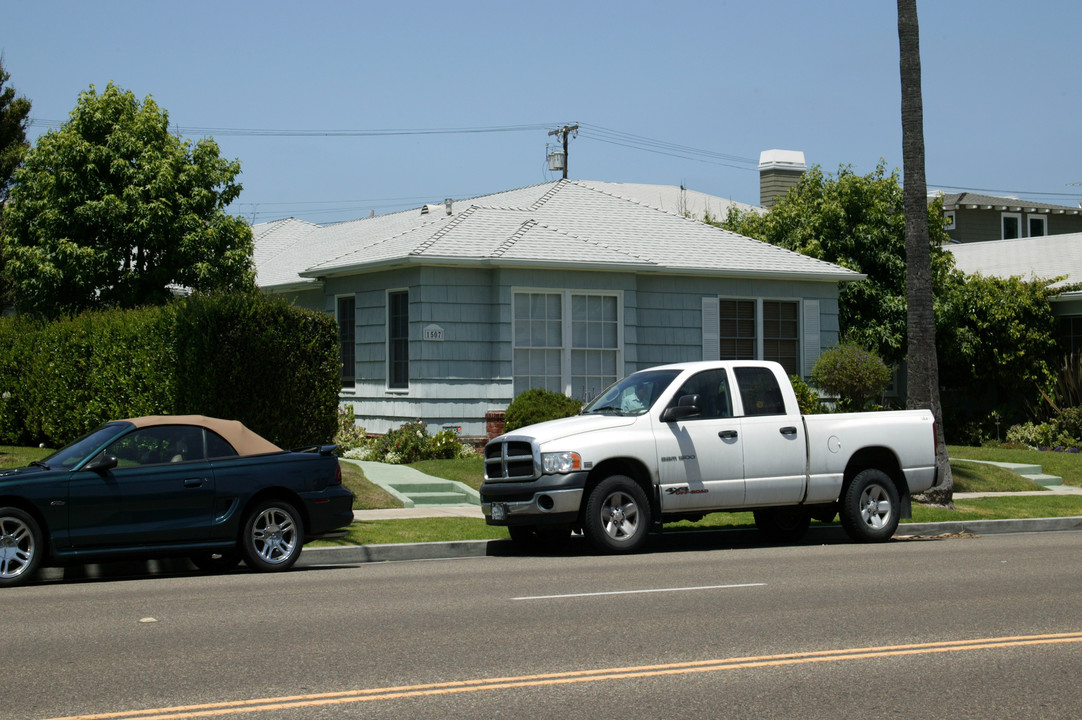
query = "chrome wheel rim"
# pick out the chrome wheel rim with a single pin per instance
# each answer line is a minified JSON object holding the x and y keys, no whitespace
{"x":274,"y":535}
{"x":16,"y":547}
{"x":875,"y":509}
{"x":620,"y":516}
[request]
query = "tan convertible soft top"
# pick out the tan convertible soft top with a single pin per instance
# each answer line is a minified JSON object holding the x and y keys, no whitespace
{"x":243,"y":440}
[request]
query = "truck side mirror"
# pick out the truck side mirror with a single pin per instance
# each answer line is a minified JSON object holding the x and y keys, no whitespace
{"x":686,"y":406}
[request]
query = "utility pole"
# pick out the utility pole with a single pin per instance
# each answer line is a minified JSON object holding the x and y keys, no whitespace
{"x":564,"y":132}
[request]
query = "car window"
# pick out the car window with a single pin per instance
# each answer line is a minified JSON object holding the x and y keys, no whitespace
{"x":759,"y":391}
{"x":218,"y":446}
{"x":712,"y":387}
{"x":155,"y":445}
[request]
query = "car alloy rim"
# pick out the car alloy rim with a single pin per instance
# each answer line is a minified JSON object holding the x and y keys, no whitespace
{"x":16,"y":547}
{"x":620,"y":516}
{"x":274,"y":535}
{"x":875,"y":506}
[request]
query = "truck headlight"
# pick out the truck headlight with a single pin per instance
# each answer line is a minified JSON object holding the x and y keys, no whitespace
{"x":560,"y":462}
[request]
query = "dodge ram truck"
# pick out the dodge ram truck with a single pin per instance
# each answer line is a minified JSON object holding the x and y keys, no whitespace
{"x":676,"y":442}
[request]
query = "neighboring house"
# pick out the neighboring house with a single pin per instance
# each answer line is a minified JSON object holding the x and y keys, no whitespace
{"x":448,"y":311}
{"x":1049,"y":257}
{"x":977,"y":218}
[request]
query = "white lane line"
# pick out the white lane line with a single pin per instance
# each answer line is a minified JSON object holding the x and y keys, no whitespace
{"x":639,"y":592}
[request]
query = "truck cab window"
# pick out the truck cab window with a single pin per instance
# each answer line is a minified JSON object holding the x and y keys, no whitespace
{"x":712,"y":387}
{"x":759,"y":391}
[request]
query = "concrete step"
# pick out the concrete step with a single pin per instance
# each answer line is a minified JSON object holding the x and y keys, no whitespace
{"x":1026,"y":470}
{"x":438,"y":498}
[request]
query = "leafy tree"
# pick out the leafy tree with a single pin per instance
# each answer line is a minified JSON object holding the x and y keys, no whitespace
{"x":923,"y":367}
{"x":996,"y":348}
{"x":112,"y":210}
{"x":853,"y":373}
{"x":14,"y":117}
{"x":858,"y":222}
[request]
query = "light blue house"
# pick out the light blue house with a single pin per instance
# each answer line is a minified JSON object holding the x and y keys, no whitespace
{"x":448,"y":311}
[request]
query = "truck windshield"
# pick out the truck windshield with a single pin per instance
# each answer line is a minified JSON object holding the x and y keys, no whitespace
{"x":633,"y":395}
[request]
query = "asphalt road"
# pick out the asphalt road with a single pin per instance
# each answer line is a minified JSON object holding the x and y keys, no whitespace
{"x":960,"y":627}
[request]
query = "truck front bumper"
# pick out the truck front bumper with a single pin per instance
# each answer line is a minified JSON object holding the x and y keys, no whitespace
{"x":549,"y":500}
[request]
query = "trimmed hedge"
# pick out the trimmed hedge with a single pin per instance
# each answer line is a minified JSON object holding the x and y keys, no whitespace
{"x":538,"y":405}
{"x":242,"y":357}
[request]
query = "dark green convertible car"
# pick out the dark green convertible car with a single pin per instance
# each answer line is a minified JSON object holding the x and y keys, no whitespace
{"x":188,"y":485}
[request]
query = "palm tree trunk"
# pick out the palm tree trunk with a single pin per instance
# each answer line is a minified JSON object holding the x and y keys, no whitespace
{"x":923,"y":366}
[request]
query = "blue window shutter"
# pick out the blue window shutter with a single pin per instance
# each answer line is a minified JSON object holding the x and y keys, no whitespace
{"x":812,"y":337}
{"x":711,"y":329}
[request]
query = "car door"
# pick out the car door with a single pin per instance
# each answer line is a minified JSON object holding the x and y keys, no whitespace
{"x":700,"y":458}
{"x":775,"y":448}
{"x":160,"y":492}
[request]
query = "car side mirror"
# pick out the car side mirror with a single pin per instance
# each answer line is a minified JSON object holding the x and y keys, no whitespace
{"x":101,"y":463}
{"x":687,"y":406}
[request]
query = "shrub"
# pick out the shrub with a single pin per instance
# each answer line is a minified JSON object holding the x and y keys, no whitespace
{"x":809,"y":401}
{"x":349,"y":435}
{"x":538,"y":405}
{"x":852,"y":373}
{"x":408,"y":444}
{"x":242,"y":357}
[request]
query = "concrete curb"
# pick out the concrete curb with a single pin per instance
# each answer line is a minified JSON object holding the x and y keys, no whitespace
{"x":356,"y":554}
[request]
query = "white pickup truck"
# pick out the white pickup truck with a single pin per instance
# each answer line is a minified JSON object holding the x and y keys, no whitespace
{"x":679,"y":441}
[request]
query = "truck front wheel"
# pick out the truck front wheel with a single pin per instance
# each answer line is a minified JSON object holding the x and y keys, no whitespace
{"x":870,"y":507}
{"x":617,"y":515}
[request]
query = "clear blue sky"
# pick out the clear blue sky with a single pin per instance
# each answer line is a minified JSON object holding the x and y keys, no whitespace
{"x":726,"y":80}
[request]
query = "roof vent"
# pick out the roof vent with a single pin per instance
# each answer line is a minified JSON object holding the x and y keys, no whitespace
{"x":447,"y":205}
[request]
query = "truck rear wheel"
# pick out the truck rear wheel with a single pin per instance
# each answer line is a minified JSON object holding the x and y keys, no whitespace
{"x":870,"y":508}
{"x":617,"y":515}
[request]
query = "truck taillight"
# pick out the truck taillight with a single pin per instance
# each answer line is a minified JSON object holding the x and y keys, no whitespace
{"x":337,"y":474}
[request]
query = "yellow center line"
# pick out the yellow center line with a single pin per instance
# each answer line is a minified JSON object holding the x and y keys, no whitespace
{"x":184,"y":712}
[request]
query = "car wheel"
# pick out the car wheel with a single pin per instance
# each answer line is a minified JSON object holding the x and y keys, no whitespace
{"x":217,"y":562}
{"x":870,"y":507}
{"x":21,"y":546}
{"x":782,"y":525}
{"x":273,"y":536}
{"x":617,"y":515}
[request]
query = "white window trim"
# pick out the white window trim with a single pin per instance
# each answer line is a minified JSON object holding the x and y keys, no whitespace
{"x":338,"y":320}
{"x":951,"y":219}
{"x":1037,"y":216}
{"x":1016,"y":216}
{"x":387,"y":344}
{"x":565,"y":328}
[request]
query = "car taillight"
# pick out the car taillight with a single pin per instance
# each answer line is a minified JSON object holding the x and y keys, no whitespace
{"x":337,"y":474}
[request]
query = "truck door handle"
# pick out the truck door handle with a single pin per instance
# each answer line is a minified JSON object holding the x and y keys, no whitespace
{"x":727,"y":434}
{"x":193,"y":482}
{"x":788,"y":430}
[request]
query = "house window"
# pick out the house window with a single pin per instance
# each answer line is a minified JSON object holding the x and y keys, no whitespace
{"x":780,"y":334}
{"x":1038,"y":225}
{"x":346,"y":315}
{"x":738,"y":340}
{"x":1012,"y":225}
{"x":1070,"y":333}
{"x":756,"y":329}
{"x":949,"y":224}
{"x":566,"y":342}
{"x":398,"y":347}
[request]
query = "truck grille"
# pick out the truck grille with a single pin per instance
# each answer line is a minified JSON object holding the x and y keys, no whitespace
{"x":511,"y":460}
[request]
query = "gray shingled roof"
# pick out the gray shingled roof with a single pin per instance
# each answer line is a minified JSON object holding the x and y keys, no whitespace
{"x":1045,"y":257}
{"x":953,"y":201}
{"x":578,"y":224}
